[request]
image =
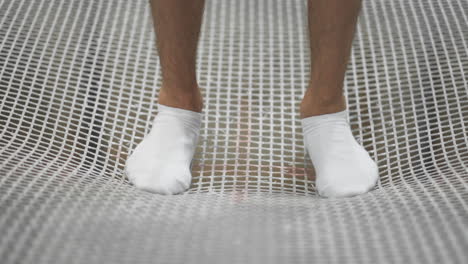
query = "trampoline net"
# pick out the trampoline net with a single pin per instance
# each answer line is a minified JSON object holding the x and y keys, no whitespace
{"x":78,"y":82}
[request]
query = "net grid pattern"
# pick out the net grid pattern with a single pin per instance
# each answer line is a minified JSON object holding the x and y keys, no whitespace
{"x":78,"y":81}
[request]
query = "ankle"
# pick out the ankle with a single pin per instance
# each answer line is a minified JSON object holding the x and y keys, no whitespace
{"x":320,"y":105}
{"x":189,"y":100}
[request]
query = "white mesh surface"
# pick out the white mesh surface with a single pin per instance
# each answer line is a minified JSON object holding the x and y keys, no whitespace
{"x":77,"y":86}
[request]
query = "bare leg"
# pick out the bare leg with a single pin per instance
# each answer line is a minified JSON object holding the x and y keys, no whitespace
{"x":343,"y":167}
{"x":177,"y":24}
{"x":161,"y":162}
{"x":331,"y":28}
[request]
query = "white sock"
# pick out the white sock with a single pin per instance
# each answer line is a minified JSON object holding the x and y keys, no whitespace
{"x":161,"y":162}
{"x":343,"y":167}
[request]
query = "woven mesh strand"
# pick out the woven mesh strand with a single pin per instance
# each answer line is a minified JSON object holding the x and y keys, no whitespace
{"x":77,"y":86}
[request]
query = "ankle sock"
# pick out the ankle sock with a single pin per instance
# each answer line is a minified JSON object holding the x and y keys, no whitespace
{"x":343,"y":167}
{"x":161,"y":162}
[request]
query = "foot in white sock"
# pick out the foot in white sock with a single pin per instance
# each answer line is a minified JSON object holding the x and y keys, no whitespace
{"x":343,"y":167}
{"x":161,"y":162}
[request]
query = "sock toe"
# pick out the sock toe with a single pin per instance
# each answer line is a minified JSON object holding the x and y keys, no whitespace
{"x":340,"y":191}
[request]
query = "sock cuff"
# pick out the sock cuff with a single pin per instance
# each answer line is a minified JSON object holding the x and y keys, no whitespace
{"x":315,"y":121}
{"x":179,"y":112}
{"x":190,"y":119}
